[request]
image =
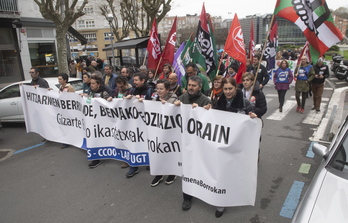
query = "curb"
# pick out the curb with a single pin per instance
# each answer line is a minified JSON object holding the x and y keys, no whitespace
{"x":336,"y":112}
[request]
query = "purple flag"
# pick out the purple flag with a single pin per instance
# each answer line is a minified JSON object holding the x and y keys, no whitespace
{"x":177,"y":63}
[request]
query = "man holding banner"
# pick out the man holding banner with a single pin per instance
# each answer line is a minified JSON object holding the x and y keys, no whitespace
{"x":194,"y":97}
{"x":192,"y":70}
{"x":141,"y":90}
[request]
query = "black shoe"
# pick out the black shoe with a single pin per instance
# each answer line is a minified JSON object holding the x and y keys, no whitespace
{"x":156,"y":180}
{"x":132,"y":171}
{"x":218,"y":214}
{"x":317,"y":110}
{"x":170,"y":179}
{"x":94,"y":164}
{"x":280,"y":109}
{"x":186,"y":205}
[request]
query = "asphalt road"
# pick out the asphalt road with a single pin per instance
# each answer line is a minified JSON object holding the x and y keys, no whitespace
{"x":49,"y":184}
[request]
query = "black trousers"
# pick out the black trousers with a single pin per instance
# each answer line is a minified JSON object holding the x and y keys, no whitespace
{"x":304,"y":97}
{"x":281,"y":97}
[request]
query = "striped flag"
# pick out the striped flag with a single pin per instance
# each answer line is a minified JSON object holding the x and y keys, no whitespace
{"x":304,"y":52}
{"x":205,"y":44}
{"x":314,"y":19}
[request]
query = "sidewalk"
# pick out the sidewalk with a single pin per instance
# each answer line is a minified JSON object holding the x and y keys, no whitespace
{"x":336,"y":113}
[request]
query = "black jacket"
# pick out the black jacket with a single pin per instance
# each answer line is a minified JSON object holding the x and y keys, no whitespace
{"x":323,"y":70}
{"x":39,"y":81}
{"x":145,"y":91}
{"x":262,"y":76}
{"x":239,"y":104}
{"x":259,"y":101}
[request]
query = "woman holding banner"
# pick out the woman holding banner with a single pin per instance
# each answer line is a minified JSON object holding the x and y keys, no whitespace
{"x":86,"y":87}
{"x":98,"y":90}
{"x":232,"y":100}
{"x":282,"y":79}
{"x":63,"y":80}
{"x":163,"y":95}
{"x":216,"y":91}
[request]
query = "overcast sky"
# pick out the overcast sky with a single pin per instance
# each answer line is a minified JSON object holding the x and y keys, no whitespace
{"x":227,"y":8}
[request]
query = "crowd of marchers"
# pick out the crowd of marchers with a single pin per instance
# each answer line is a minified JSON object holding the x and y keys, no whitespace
{"x":224,"y":93}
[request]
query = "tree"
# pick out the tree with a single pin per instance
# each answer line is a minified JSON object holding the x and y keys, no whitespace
{"x":109,"y":7}
{"x":186,"y":33}
{"x":341,"y":12}
{"x":63,"y":15}
{"x":136,"y":15}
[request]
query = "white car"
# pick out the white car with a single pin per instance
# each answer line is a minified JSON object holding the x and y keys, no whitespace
{"x":11,"y":104}
{"x":326,"y":199}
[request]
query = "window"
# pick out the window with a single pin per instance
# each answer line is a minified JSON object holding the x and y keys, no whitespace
{"x":86,"y":23}
{"x":340,"y":159}
{"x":108,"y":36}
{"x":89,"y":23}
{"x":88,"y":10}
{"x":10,"y":92}
{"x":82,"y":23}
{"x":42,"y":53}
{"x":90,"y":36}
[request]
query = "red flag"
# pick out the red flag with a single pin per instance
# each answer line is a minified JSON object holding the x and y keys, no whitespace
{"x":168,"y":52}
{"x":235,"y":48}
{"x":153,"y":48}
{"x":251,"y":41}
{"x":304,"y":52}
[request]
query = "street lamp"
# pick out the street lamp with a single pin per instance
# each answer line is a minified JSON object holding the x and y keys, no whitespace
{"x":110,"y":17}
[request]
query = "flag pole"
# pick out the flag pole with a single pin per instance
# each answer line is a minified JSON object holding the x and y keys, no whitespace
{"x":160,"y":61}
{"x":145,"y":57}
{"x":221,"y":57}
{"x":261,"y":57}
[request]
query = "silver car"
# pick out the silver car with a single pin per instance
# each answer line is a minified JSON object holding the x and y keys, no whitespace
{"x":11,"y":104}
{"x":326,"y":199}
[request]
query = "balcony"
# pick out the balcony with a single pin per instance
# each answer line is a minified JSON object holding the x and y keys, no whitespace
{"x":8,"y":6}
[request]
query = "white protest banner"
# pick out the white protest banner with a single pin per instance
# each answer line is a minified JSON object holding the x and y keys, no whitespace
{"x":164,"y":136}
{"x":220,"y":156}
{"x":219,"y":152}
{"x":107,"y":130}
{"x":215,"y":152}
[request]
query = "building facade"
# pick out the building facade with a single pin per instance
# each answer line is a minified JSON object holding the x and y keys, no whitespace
{"x":10,"y":61}
{"x":95,"y":28}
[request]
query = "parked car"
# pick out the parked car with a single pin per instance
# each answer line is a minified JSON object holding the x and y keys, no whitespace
{"x":326,"y":199}
{"x":11,"y":104}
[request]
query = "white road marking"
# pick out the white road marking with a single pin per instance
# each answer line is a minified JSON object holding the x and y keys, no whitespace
{"x":313,"y":117}
{"x":271,"y":95}
{"x":288,"y":106}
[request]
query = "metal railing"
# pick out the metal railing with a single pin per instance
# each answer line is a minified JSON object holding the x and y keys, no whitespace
{"x":8,"y":6}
